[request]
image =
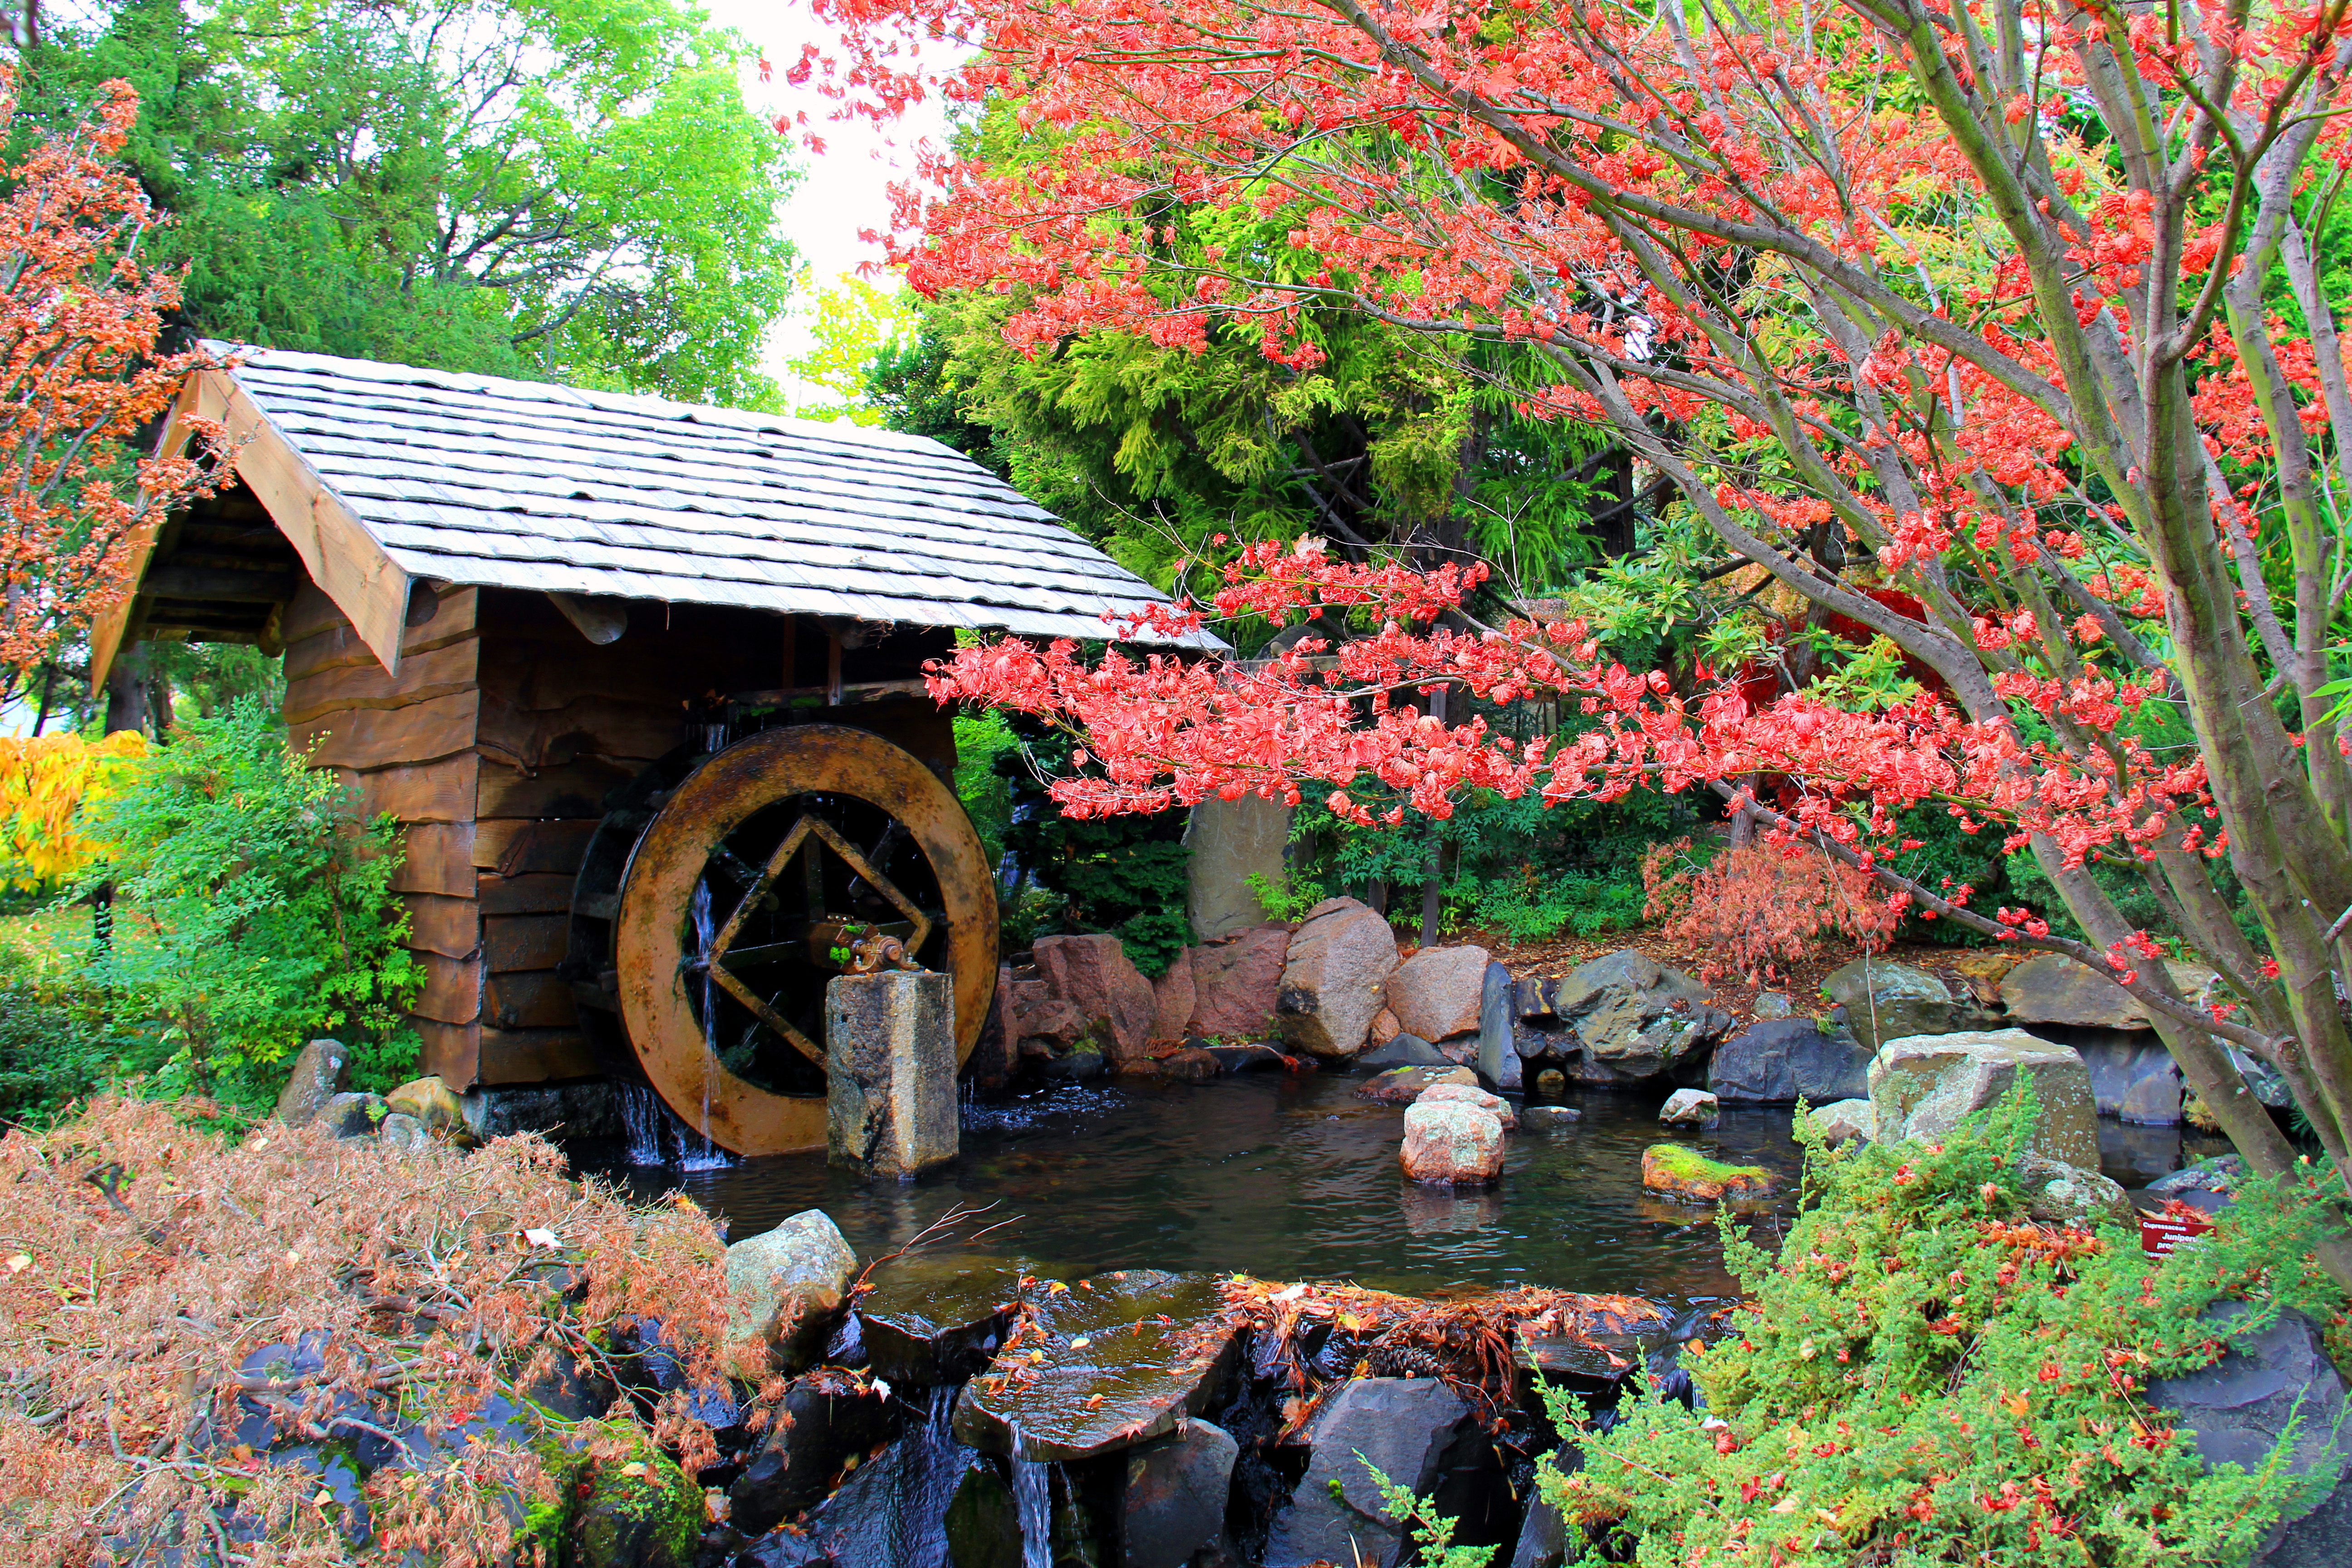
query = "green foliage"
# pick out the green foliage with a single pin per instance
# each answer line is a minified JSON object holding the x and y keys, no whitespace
{"x":1924,"y":1377}
{"x":58,"y":1039}
{"x":258,"y":911}
{"x":1288,"y":899}
{"x":1128,"y":876}
{"x":1433,"y":1536}
{"x":986,"y":792}
{"x":570,"y":188}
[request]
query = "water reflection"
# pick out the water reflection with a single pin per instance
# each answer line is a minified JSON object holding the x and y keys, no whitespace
{"x":1287,"y":1178}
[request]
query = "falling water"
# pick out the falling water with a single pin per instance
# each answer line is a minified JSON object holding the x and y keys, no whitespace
{"x":705,"y":934}
{"x":655,"y":1137}
{"x":1032,"y":1503}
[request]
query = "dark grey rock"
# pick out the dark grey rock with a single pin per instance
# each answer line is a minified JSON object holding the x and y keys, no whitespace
{"x":1543,"y":1533}
{"x":636,"y":1511}
{"x":1771,"y":1005}
{"x":782,"y":1549}
{"x":932,"y":1319}
{"x":1255,"y":1056}
{"x":2320,"y":1539}
{"x":352,"y":1115}
{"x":1077,"y":1066}
{"x":1635,"y":1021}
{"x":2268,"y":1382}
{"x":894,"y":1510}
{"x":649,"y":1361}
{"x":404,"y":1133}
{"x":2221,"y":1174}
{"x":317,"y":1077}
{"x":1498,"y":1049}
{"x":337,"y":1475}
{"x":1886,"y":1001}
{"x":1787,"y":1059}
{"x":1403,"y":1427}
{"x":1548,"y":1117}
{"x":1532,"y":1000}
{"x":1543,"y":1042}
{"x":1403,"y":1051}
{"x":825,"y":1418}
{"x":983,"y":1521}
{"x":583,"y":1110}
{"x":2132,"y":1075}
{"x":1174,"y":1503}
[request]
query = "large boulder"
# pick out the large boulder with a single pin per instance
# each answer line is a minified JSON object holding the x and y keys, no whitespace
{"x":1886,"y":1001}
{"x":1230,"y":841}
{"x":1637,"y":1020}
{"x":1679,"y":1172}
{"x":636,"y":1508}
{"x":1844,"y":1118}
{"x":2269,"y":1381}
{"x":1787,"y":1059}
{"x":316,"y":1078}
{"x":933,"y":1319}
{"x":1436,"y":992}
{"x":1402,"y":1051}
{"x":1402,"y":1427}
{"x":1174,"y":1501}
{"x":431,"y":1102}
{"x":2133,"y":1076}
{"x":783,"y":1287}
{"x":2050,"y":988}
{"x":1494,"y":1105}
{"x":1237,"y":984}
{"x":1499,"y":1029}
{"x":826,"y":1418}
{"x":2066,"y":1194}
{"x":1172,"y":998}
{"x":1334,"y":977}
{"x":1448,"y":1144}
{"x":1921,"y":1085}
{"x":1689,"y":1108}
{"x":1094,"y":975}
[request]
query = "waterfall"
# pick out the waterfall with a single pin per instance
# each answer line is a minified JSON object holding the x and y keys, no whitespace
{"x":1032,"y":1503}
{"x":705,"y":934}
{"x":656,"y":1137}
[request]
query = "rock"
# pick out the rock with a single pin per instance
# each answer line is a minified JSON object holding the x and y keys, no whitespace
{"x":1532,"y":1000}
{"x":1886,"y":1001}
{"x":1451,"y":1144}
{"x":1844,"y":1118}
{"x":826,"y":1418}
{"x":1636,"y":1020}
{"x":2052,"y":988}
{"x":1154,"y":1346}
{"x":317,"y":1077}
{"x":1094,"y":975}
{"x":1552,"y":1080}
{"x":2152,"y":1101}
{"x":936,"y":1318}
{"x":2221,"y":1174}
{"x":1403,"y":1427}
{"x":352,"y":1115}
{"x":2127,"y":1068}
{"x":1255,"y":1057}
{"x":570,"y":1389}
{"x":2270,"y":1086}
{"x":585,"y":1109}
{"x":637,"y":1509}
{"x":1498,"y":1024}
{"x":430,"y":1102}
{"x":1384,"y":1028}
{"x":1174,"y":1501}
{"x":1333,"y":977}
{"x":1543,"y":1042}
{"x":1229,"y":841}
{"x":1404,"y":1050}
{"x":1173,"y":996}
{"x":1237,"y":984}
{"x":2317,"y":1540}
{"x":1052,"y":1022}
{"x":892,"y":1510}
{"x":1921,"y":1085}
{"x":1689,"y":1108}
{"x":1494,"y":1105}
{"x":1683,"y":1172}
{"x":1543,"y":1533}
{"x":891,"y":1107}
{"x":1773,"y":1005}
{"x":1550,"y":1117}
{"x":404,"y":1133}
{"x":784,"y":1288}
{"x":2268,"y":1381}
{"x":1190,"y":1064}
{"x":1075,"y":1066}
{"x":1437,"y":992}
{"x":1789,"y":1060}
{"x":650,"y":1358}
{"x":2059,"y":1194}
{"x":983,"y":1522}
{"x":1403,"y":1086}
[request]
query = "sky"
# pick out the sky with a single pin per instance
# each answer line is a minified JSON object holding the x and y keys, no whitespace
{"x":843,"y":190}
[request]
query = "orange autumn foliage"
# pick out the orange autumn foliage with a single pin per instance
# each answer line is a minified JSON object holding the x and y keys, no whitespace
{"x":1760,"y":905}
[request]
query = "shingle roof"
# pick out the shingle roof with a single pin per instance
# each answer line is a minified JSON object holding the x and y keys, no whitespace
{"x":479,"y":480}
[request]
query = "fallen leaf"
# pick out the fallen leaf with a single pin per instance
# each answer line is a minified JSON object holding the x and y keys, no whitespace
{"x":540,"y":1236}
{"x":20,"y":1262}
{"x":1081,"y":1342}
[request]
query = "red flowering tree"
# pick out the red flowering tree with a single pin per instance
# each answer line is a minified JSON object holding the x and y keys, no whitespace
{"x":2000,"y":330}
{"x":80,"y":383}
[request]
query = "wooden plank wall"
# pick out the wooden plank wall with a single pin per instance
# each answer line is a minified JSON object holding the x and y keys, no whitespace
{"x":562,"y":722}
{"x":407,"y":742}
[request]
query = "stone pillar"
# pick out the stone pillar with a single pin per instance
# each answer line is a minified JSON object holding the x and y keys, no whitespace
{"x":1229,"y":839}
{"x":890,"y":1071}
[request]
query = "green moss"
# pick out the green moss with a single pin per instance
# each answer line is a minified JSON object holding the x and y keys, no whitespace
{"x":1684,"y":1164}
{"x":652,"y":1519}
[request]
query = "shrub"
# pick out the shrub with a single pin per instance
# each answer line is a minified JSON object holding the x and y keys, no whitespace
{"x":1926,"y":1376}
{"x":261,"y":911}
{"x":59,"y":1040}
{"x":1758,"y":905}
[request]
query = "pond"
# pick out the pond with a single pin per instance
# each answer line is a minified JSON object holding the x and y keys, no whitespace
{"x":1293,"y":1177}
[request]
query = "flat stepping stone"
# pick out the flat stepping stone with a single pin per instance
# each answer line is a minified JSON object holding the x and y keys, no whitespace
{"x":933,"y":1319}
{"x":1115,"y":1359}
{"x":1403,"y":1086}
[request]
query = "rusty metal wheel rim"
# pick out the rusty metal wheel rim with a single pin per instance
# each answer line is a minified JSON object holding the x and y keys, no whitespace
{"x":652,"y":953}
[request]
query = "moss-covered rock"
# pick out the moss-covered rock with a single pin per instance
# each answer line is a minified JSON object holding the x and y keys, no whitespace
{"x":1681,"y":1171}
{"x":637,"y":1509}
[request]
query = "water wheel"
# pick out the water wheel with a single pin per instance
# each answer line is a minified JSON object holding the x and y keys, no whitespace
{"x":722,"y":892}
